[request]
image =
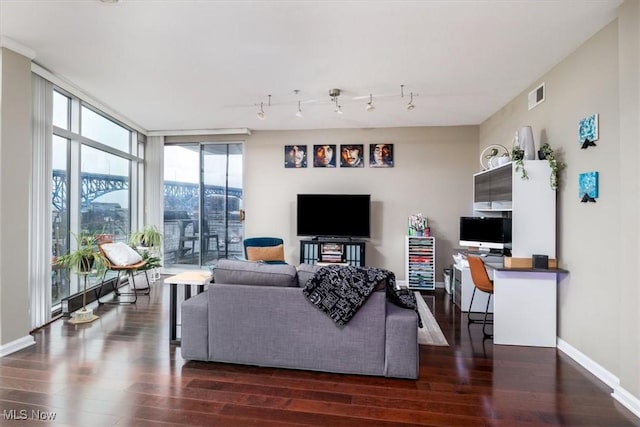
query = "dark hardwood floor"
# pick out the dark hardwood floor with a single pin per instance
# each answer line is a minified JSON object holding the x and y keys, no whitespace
{"x":121,"y":371}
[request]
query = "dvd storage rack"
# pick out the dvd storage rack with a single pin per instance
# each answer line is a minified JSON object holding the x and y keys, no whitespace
{"x":420,"y":256}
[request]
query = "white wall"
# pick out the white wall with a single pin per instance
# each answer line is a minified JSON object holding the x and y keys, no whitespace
{"x":432,"y":174}
{"x":629,"y":178}
{"x":599,"y":297}
{"x":15,"y":175}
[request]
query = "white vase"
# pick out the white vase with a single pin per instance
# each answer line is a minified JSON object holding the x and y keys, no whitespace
{"x":526,"y":143}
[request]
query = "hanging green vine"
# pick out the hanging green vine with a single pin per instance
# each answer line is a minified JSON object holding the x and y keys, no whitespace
{"x":517,"y":157}
{"x":546,"y":152}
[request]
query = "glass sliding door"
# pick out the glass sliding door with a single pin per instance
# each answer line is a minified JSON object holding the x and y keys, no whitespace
{"x":222,"y":229}
{"x":202,"y":203}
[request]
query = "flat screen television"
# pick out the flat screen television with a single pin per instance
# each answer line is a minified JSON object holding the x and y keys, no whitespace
{"x":334,"y":215}
{"x":485,"y":232}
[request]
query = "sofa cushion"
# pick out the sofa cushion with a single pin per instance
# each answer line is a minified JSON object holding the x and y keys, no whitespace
{"x":306,"y":272}
{"x":265,"y":253}
{"x":237,"y":272}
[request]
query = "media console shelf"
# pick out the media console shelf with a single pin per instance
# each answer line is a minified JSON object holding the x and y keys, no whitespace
{"x":337,"y":251}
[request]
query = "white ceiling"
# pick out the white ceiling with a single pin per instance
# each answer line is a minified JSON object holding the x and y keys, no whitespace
{"x":191,"y":65}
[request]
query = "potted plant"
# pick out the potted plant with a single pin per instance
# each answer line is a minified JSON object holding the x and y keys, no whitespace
{"x":150,"y":261}
{"x":148,"y":242}
{"x":546,"y":152}
{"x":148,"y":237}
{"x":517,"y":157}
{"x":84,"y":260}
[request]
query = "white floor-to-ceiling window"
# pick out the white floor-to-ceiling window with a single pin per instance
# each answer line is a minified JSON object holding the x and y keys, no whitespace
{"x":96,"y":168}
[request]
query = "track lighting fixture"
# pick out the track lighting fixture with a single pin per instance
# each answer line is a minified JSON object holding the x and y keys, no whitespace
{"x":334,"y":96}
{"x":299,"y":112}
{"x":410,"y":106}
{"x":370,"y":106}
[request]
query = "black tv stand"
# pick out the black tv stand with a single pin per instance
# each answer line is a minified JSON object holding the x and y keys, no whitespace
{"x":338,"y":250}
{"x":335,"y":239}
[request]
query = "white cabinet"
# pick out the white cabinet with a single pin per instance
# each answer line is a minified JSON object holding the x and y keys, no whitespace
{"x":420,"y":256}
{"x":526,"y":307}
{"x":531,"y":203}
{"x":463,"y":290}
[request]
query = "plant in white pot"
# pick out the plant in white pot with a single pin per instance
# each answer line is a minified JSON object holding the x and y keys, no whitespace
{"x":85,"y":259}
{"x":148,"y":242}
{"x":148,"y":237}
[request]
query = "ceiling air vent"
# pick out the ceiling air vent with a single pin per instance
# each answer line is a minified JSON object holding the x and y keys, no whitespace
{"x":536,"y":96}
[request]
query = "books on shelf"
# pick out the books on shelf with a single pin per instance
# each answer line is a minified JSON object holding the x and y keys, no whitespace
{"x":332,"y":253}
{"x":332,"y":248}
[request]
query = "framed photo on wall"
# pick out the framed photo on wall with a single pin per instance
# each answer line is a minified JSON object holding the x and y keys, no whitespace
{"x":295,"y":156}
{"x":381,"y":155}
{"x":324,"y":156}
{"x":352,"y":156}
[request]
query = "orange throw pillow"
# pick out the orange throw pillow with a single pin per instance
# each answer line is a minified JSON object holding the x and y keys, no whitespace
{"x":265,"y":253}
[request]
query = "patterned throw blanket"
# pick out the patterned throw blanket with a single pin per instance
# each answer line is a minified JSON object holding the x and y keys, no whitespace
{"x":339,"y":291}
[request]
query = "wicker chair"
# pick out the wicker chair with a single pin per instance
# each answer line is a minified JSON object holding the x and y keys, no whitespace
{"x":128,"y":269}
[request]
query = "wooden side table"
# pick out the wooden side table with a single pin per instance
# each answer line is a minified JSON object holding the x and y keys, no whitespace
{"x":187,"y":279}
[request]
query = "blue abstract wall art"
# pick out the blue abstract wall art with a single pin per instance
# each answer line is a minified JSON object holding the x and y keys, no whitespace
{"x":588,"y":186}
{"x":588,"y":131}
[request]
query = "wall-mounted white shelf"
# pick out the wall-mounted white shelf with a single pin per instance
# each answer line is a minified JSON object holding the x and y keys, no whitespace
{"x":531,"y":203}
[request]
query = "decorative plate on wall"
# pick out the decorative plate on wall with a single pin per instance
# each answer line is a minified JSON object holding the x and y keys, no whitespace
{"x":493,"y":156}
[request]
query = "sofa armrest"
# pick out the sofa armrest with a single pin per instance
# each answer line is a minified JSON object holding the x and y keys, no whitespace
{"x":195,"y":328}
{"x":402,"y":353}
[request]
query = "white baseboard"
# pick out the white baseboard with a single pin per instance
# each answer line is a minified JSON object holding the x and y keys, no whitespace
{"x":601,"y":373}
{"x":16,"y":345}
{"x":625,"y":398}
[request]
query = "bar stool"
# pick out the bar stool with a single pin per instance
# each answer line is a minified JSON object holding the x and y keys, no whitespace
{"x":482,"y":282}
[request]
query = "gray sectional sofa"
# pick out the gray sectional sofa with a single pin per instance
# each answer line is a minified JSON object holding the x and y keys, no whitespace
{"x":256,"y":314}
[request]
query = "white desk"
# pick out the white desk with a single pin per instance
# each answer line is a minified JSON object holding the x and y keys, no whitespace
{"x":187,"y":279}
{"x":464,"y":291}
{"x":525,"y":304}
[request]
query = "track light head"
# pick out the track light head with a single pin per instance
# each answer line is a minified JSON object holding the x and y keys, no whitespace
{"x":370,"y":106}
{"x":299,"y":112}
{"x":261,"y":112}
{"x":410,"y":106}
